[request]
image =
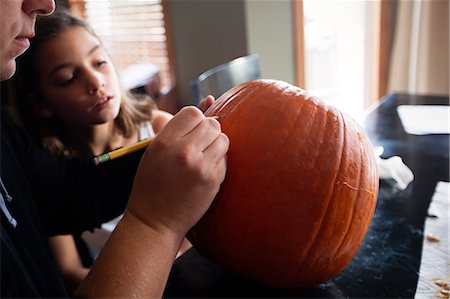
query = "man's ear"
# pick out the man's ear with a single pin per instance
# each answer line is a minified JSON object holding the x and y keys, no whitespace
{"x":40,"y":108}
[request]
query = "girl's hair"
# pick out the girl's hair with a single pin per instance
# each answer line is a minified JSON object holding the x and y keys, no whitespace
{"x":51,"y":133}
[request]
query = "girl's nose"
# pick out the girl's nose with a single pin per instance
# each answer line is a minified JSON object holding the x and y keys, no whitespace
{"x":95,"y":83}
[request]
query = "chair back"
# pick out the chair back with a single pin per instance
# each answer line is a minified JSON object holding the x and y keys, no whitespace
{"x":221,"y":78}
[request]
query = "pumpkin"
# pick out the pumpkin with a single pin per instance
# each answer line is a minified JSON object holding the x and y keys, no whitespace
{"x":300,"y":189}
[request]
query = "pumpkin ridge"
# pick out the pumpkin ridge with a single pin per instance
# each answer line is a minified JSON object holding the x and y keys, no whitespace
{"x":229,"y":126}
{"x":330,"y":216}
{"x":243,"y":104}
{"x":234,"y":120}
{"x":356,"y":196}
{"x":314,"y":236}
{"x":231,"y":116}
{"x":228,"y":99}
{"x":280,"y":147}
{"x":268,"y":86}
{"x":325,"y":109}
{"x":271,"y":177}
{"x":293,"y":126}
{"x":241,"y":95}
{"x":369,"y":168}
{"x":220,"y":107}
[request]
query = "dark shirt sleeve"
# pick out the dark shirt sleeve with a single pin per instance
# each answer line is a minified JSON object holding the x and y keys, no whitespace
{"x":73,"y":195}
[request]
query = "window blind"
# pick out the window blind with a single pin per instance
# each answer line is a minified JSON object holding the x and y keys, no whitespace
{"x":133,"y":31}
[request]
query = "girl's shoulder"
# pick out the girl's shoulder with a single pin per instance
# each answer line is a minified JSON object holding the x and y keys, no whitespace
{"x":159,"y":119}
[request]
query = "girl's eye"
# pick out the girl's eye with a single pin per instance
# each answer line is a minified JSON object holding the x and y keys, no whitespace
{"x":65,"y":82}
{"x":101,"y":63}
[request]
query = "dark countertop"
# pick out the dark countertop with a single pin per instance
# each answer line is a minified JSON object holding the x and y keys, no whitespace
{"x":387,"y":263}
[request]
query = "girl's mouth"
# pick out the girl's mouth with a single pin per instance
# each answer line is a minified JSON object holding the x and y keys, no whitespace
{"x":103,"y":103}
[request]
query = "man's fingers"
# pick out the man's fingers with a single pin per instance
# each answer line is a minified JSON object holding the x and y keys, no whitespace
{"x":183,"y":122}
{"x":204,"y":133}
{"x":217,"y":150}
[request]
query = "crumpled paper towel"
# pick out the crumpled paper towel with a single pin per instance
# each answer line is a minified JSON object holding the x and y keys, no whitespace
{"x":393,"y":168}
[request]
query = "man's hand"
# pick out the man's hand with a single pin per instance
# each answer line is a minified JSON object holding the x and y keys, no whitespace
{"x":180,"y":173}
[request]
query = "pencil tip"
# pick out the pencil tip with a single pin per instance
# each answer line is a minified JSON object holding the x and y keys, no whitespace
{"x":96,"y":161}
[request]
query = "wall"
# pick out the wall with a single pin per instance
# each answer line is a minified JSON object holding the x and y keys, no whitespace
{"x":270,"y":33}
{"x":206,"y":33}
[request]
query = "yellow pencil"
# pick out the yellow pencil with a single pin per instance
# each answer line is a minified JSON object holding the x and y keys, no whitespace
{"x":122,"y":151}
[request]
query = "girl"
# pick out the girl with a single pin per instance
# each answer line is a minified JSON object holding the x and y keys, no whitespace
{"x":72,"y":104}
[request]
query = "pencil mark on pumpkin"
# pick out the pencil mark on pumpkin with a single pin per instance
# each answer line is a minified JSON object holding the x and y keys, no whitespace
{"x":357,"y":189}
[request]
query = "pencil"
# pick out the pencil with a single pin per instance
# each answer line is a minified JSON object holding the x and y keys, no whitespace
{"x":122,"y":151}
{"x":127,"y":149}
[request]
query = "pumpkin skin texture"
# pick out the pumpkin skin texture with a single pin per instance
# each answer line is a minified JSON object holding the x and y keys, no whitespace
{"x":300,"y":189}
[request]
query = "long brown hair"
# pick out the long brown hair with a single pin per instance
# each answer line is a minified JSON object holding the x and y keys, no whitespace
{"x":51,"y":133}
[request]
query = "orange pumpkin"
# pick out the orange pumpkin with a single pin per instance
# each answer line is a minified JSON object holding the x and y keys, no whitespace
{"x":300,"y":189}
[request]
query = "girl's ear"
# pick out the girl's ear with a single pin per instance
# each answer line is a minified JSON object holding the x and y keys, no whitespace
{"x":40,"y":108}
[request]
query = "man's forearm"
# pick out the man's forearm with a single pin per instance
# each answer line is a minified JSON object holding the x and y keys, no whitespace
{"x":135,"y":262}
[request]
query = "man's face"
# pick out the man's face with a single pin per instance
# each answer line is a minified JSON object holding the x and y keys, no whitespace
{"x":17,"y":18}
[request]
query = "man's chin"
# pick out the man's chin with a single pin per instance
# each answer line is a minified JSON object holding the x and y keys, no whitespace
{"x":7,"y":70}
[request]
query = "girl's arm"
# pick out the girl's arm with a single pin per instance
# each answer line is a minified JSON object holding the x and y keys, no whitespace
{"x":160,"y":119}
{"x":68,"y":260}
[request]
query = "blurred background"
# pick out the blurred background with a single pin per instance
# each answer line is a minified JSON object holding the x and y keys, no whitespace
{"x":348,"y":53}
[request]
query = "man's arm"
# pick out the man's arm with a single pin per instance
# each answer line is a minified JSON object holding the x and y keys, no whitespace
{"x":135,"y":262}
{"x":176,"y":181}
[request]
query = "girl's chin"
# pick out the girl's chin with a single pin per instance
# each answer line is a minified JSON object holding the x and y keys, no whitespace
{"x":108,"y":116}
{"x":102,"y":120}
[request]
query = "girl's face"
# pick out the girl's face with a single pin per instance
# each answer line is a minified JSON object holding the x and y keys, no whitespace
{"x":79,"y":83}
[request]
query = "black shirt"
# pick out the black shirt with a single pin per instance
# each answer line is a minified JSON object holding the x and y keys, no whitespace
{"x":50,"y":196}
